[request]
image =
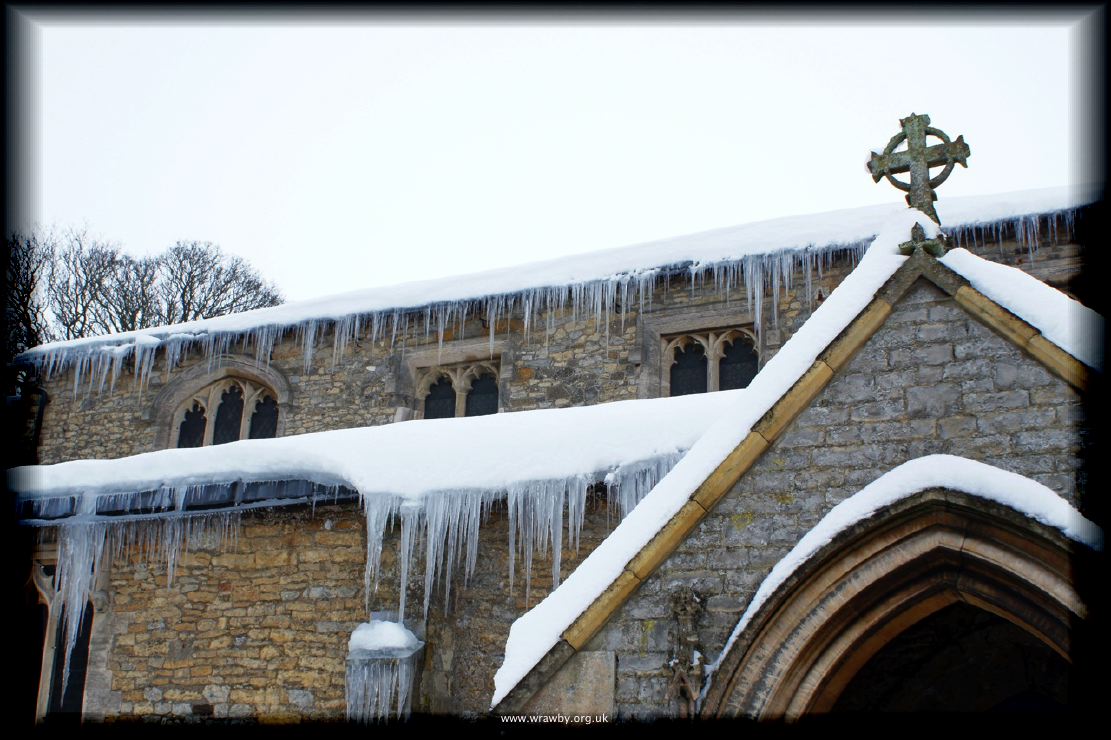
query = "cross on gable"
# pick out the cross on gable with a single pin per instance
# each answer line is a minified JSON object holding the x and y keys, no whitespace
{"x":917,"y":159}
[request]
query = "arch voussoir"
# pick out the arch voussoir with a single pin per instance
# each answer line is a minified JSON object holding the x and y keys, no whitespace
{"x":878,"y":578}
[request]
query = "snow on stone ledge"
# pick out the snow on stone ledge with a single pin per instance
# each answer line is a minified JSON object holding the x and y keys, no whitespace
{"x":377,"y":635}
{"x":409,"y":459}
{"x":811,"y":231}
{"x":1069,"y":324}
{"x":1022,"y":494}
{"x":538,"y":630}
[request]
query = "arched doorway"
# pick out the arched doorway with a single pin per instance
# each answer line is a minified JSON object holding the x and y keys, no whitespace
{"x":937,"y":559}
{"x":960,"y":659}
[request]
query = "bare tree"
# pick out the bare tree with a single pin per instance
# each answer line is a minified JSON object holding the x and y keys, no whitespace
{"x":26,"y":317}
{"x":80,"y":274}
{"x":198,"y":282}
{"x":130,"y":299}
{"x":77,"y":286}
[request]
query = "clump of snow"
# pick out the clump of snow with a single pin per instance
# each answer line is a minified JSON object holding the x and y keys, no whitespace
{"x":382,"y":635}
{"x":1069,"y":324}
{"x":538,"y":630}
{"x":932,"y":471}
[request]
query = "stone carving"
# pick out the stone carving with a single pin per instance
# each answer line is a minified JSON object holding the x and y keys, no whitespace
{"x":686,"y":666}
{"x":917,"y":159}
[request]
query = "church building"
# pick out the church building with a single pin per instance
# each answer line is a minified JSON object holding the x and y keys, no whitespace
{"x":825,"y":463}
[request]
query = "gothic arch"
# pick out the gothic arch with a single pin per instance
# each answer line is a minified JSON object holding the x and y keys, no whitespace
{"x":883,"y":575}
{"x":167,"y":405}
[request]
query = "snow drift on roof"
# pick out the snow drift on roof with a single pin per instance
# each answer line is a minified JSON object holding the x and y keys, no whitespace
{"x":1069,"y":324}
{"x":409,"y":459}
{"x":589,"y":282}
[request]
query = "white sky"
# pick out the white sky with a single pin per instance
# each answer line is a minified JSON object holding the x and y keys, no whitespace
{"x":344,"y":153}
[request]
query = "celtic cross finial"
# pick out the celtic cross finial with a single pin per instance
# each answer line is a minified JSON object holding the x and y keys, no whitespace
{"x":917,"y":159}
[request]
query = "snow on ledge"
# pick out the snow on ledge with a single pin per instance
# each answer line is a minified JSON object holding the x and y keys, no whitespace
{"x":1070,"y":325}
{"x":1018,"y":492}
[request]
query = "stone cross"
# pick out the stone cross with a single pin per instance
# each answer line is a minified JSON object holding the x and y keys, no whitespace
{"x":917,"y":159}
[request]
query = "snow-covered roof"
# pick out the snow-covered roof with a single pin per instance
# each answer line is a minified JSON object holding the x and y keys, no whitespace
{"x":409,"y":459}
{"x":537,"y":631}
{"x":590,"y":282}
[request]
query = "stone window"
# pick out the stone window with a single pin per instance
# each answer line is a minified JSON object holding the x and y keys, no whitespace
{"x":55,"y":703}
{"x":226,"y":411}
{"x":720,"y":359}
{"x":463,"y":389}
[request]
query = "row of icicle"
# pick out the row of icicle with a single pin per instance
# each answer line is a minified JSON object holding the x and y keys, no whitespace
{"x":445,"y":523}
{"x":101,"y":365}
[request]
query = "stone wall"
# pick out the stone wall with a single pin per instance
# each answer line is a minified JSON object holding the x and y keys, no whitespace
{"x":259,"y":630}
{"x":932,"y":380}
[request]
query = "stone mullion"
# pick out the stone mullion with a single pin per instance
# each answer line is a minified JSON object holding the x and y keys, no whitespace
{"x":210,"y":414}
{"x":249,"y":394}
{"x":461,"y":385}
{"x":713,"y":369}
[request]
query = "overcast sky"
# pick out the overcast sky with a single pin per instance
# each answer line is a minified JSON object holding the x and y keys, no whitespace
{"x":345,"y":153}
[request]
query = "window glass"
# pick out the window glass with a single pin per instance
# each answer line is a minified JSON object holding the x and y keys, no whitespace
{"x":440,"y":402}
{"x":191,"y":432}
{"x":483,"y":396}
{"x":264,"y":421}
{"x":739,"y":365}
{"x":229,"y":416}
{"x":688,"y":372}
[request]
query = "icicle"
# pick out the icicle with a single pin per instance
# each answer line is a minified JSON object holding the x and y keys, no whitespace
{"x":84,"y":544}
{"x":763,"y":275}
{"x":379,"y":684}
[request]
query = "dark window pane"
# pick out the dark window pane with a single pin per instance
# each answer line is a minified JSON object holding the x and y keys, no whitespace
{"x":483,"y":398}
{"x":264,"y":422}
{"x":688,"y":374}
{"x":228,"y":416}
{"x":739,"y":366}
{"x":440,"y":402}
{"x":68,"y":702}
{"x":191,"y":432}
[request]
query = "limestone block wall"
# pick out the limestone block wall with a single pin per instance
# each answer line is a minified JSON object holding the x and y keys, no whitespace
{"x":932,"y":380}
{"x":259,"y":630}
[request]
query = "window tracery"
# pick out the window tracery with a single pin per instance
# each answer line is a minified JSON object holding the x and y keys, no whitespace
{"x":463,"y":389}
{"x":720,"y":359}
{"x":225,"y":411}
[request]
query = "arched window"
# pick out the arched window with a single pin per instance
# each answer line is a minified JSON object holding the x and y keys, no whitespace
{"x":722,"y":359}
{"x":229,"y":416}
{"x":463,"y":389}
{"x":191,"y":431}
{"x":739,"y":362}
{"x":228,"y":410}
{"x":688,"y":370}
{"x":482,"y":399}
{"x":264,"y":420}
{"x":440,"y":401}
